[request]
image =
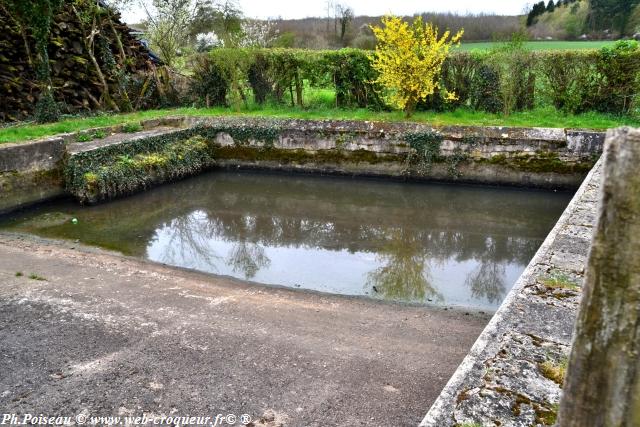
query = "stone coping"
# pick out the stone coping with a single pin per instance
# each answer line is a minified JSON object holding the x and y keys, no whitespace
{"x":571,"y":136}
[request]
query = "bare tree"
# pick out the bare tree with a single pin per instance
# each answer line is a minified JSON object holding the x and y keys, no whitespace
{"x":345,"y":17}
{"x":169,"y":23}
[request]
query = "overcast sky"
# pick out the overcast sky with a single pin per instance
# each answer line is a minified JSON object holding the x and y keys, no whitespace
{"x":304,"y":8}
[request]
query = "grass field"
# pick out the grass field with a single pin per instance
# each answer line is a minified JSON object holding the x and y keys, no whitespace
{"x":542,"y":45}
{"x":542,"y":117}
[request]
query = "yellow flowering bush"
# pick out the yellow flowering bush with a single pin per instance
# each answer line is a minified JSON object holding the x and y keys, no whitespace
{"x":408,"y":59}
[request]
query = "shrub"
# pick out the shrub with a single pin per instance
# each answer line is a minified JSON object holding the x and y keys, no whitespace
{"x":351,"y":72}
{"x":459,"y":72}
{"x":485,"y":90}
{"x":209,"y":86}
{"x":259,"y":78}
{"x":515,"y":66}
{"x":570,"y":79}
{"x":409,"y":59}
{"x":619,"y":65}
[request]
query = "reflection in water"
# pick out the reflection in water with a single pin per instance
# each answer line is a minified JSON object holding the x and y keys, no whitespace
{"x":185,"y":241}
{"x":398,"y":241}
{"x":248,"y":259}
{"x":404,"y":274}
{"x":488,"y":281}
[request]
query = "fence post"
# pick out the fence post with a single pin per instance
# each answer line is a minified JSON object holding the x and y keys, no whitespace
{"x":602,"y":386}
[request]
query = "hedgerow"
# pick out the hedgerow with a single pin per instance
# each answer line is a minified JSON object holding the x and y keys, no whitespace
{"x":504,"y":80}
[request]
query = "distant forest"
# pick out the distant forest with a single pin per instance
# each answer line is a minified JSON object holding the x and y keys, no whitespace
{"x":345,"y":30}
{"x":559,"y":19}
{"x":206,"y":24}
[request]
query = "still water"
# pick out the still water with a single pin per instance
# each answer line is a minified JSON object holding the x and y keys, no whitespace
{"x":410,"y":242}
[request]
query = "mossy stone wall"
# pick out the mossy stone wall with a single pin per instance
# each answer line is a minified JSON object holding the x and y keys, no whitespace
{"x":527,"y":157}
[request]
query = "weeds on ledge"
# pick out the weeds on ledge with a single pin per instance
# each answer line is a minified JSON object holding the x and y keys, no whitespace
{"x":558,"y":280}
{"x":34,"y":276}
{"x":554,"y":371}
{"x":131,"y":127}
{"x":86,"y":137}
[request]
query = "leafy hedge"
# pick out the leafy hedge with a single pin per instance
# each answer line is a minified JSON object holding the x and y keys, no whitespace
{"x":504,"y":80}
{"x":229,"y":76}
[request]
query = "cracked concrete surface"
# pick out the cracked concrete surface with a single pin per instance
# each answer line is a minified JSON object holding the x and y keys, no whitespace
{"x":108,"y":335}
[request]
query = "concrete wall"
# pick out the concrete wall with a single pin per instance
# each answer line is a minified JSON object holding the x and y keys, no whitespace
{"x":30,"y":172}
{"x":532,"y":157}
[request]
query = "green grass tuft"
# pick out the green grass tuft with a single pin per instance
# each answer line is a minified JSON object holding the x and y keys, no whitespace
{"x":83,"y":137}
{"x":131,"y":127}
{"x":557,"y":280}
{"x":99,"y":134}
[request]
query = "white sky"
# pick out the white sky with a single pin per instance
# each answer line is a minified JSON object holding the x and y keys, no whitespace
{"x":302,"y":8}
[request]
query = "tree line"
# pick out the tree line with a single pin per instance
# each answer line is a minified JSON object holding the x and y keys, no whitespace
{"x":612,"y":15}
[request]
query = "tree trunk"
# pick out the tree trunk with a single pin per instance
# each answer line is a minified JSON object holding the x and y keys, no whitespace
{"x":88,"y":41}
{"x":299,"y":87}
{"x":603,"y":380}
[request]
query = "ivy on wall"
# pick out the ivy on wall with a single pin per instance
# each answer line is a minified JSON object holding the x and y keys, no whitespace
{"x":425,"y":150}
{"x":125,"y":168}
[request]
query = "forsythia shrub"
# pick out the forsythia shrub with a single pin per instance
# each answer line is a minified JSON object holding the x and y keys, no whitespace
{"x":409,"y":59}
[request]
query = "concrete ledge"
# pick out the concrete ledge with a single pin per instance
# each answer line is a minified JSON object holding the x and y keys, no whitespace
{"x":502,"y":381}
{"x":35,"y":155}
{"x":30,"y":172}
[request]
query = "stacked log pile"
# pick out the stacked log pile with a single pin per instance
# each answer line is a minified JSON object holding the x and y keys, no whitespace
{"x":135,"y":81}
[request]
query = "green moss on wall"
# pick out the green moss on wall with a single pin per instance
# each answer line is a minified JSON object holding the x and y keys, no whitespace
{"x":542,"y":162}
{"x":135,"y":165}
{"x":300,"y":156}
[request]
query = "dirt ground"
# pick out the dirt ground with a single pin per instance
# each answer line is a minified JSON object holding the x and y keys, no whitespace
{"x":97,"y":334}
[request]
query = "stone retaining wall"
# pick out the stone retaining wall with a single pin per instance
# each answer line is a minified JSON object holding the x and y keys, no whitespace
{"x":530,"y":157}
